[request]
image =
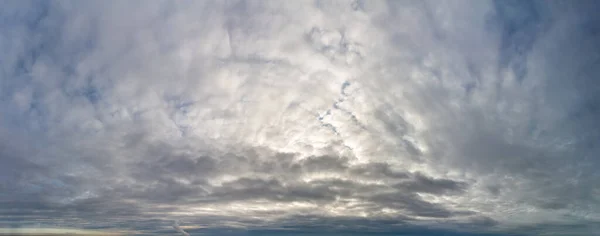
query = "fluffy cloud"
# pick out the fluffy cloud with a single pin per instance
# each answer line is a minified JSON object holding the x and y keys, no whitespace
{"x":349,"y":115}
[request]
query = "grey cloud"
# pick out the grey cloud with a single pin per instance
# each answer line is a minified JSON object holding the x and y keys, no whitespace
{"x":378,"y":170}
{"x":243,"y":189}
{"x":412,"y":203}
{"x":424,"y":184}
{"x":324,"y":163}
{"x":156,"y":181}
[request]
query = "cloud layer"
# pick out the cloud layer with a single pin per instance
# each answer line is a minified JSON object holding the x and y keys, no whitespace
{"x":476,"y":116}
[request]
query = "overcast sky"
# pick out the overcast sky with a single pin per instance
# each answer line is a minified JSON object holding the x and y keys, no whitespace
{"x":326,"y":117}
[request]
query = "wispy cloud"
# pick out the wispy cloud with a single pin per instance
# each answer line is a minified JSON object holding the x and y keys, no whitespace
{"x":179,"y":229}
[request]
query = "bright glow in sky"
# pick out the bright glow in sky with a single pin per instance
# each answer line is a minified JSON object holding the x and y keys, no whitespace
{"x":265,"y":116}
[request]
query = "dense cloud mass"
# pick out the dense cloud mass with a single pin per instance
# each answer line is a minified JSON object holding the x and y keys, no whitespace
{"x":416,"y":117}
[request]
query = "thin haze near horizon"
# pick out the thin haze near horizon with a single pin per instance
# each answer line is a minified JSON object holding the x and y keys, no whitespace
{"x":321,"y":117}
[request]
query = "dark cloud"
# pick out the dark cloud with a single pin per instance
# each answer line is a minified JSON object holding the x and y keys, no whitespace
{"x":424,"y":184}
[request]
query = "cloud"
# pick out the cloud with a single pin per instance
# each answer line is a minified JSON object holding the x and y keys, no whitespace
{"x":179,"y":229}
{"x":262,"y":115}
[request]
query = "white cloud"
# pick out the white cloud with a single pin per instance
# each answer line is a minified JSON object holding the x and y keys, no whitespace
{"x":179,"y":229}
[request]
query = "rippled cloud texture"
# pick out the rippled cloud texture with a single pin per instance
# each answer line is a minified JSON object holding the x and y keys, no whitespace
{"x":255,"y":117}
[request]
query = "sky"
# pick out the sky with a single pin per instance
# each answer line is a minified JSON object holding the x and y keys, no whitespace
{"x":304,"y":117}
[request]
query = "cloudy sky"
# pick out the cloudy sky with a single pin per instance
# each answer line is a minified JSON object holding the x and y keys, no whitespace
{"x":300,"y":117}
